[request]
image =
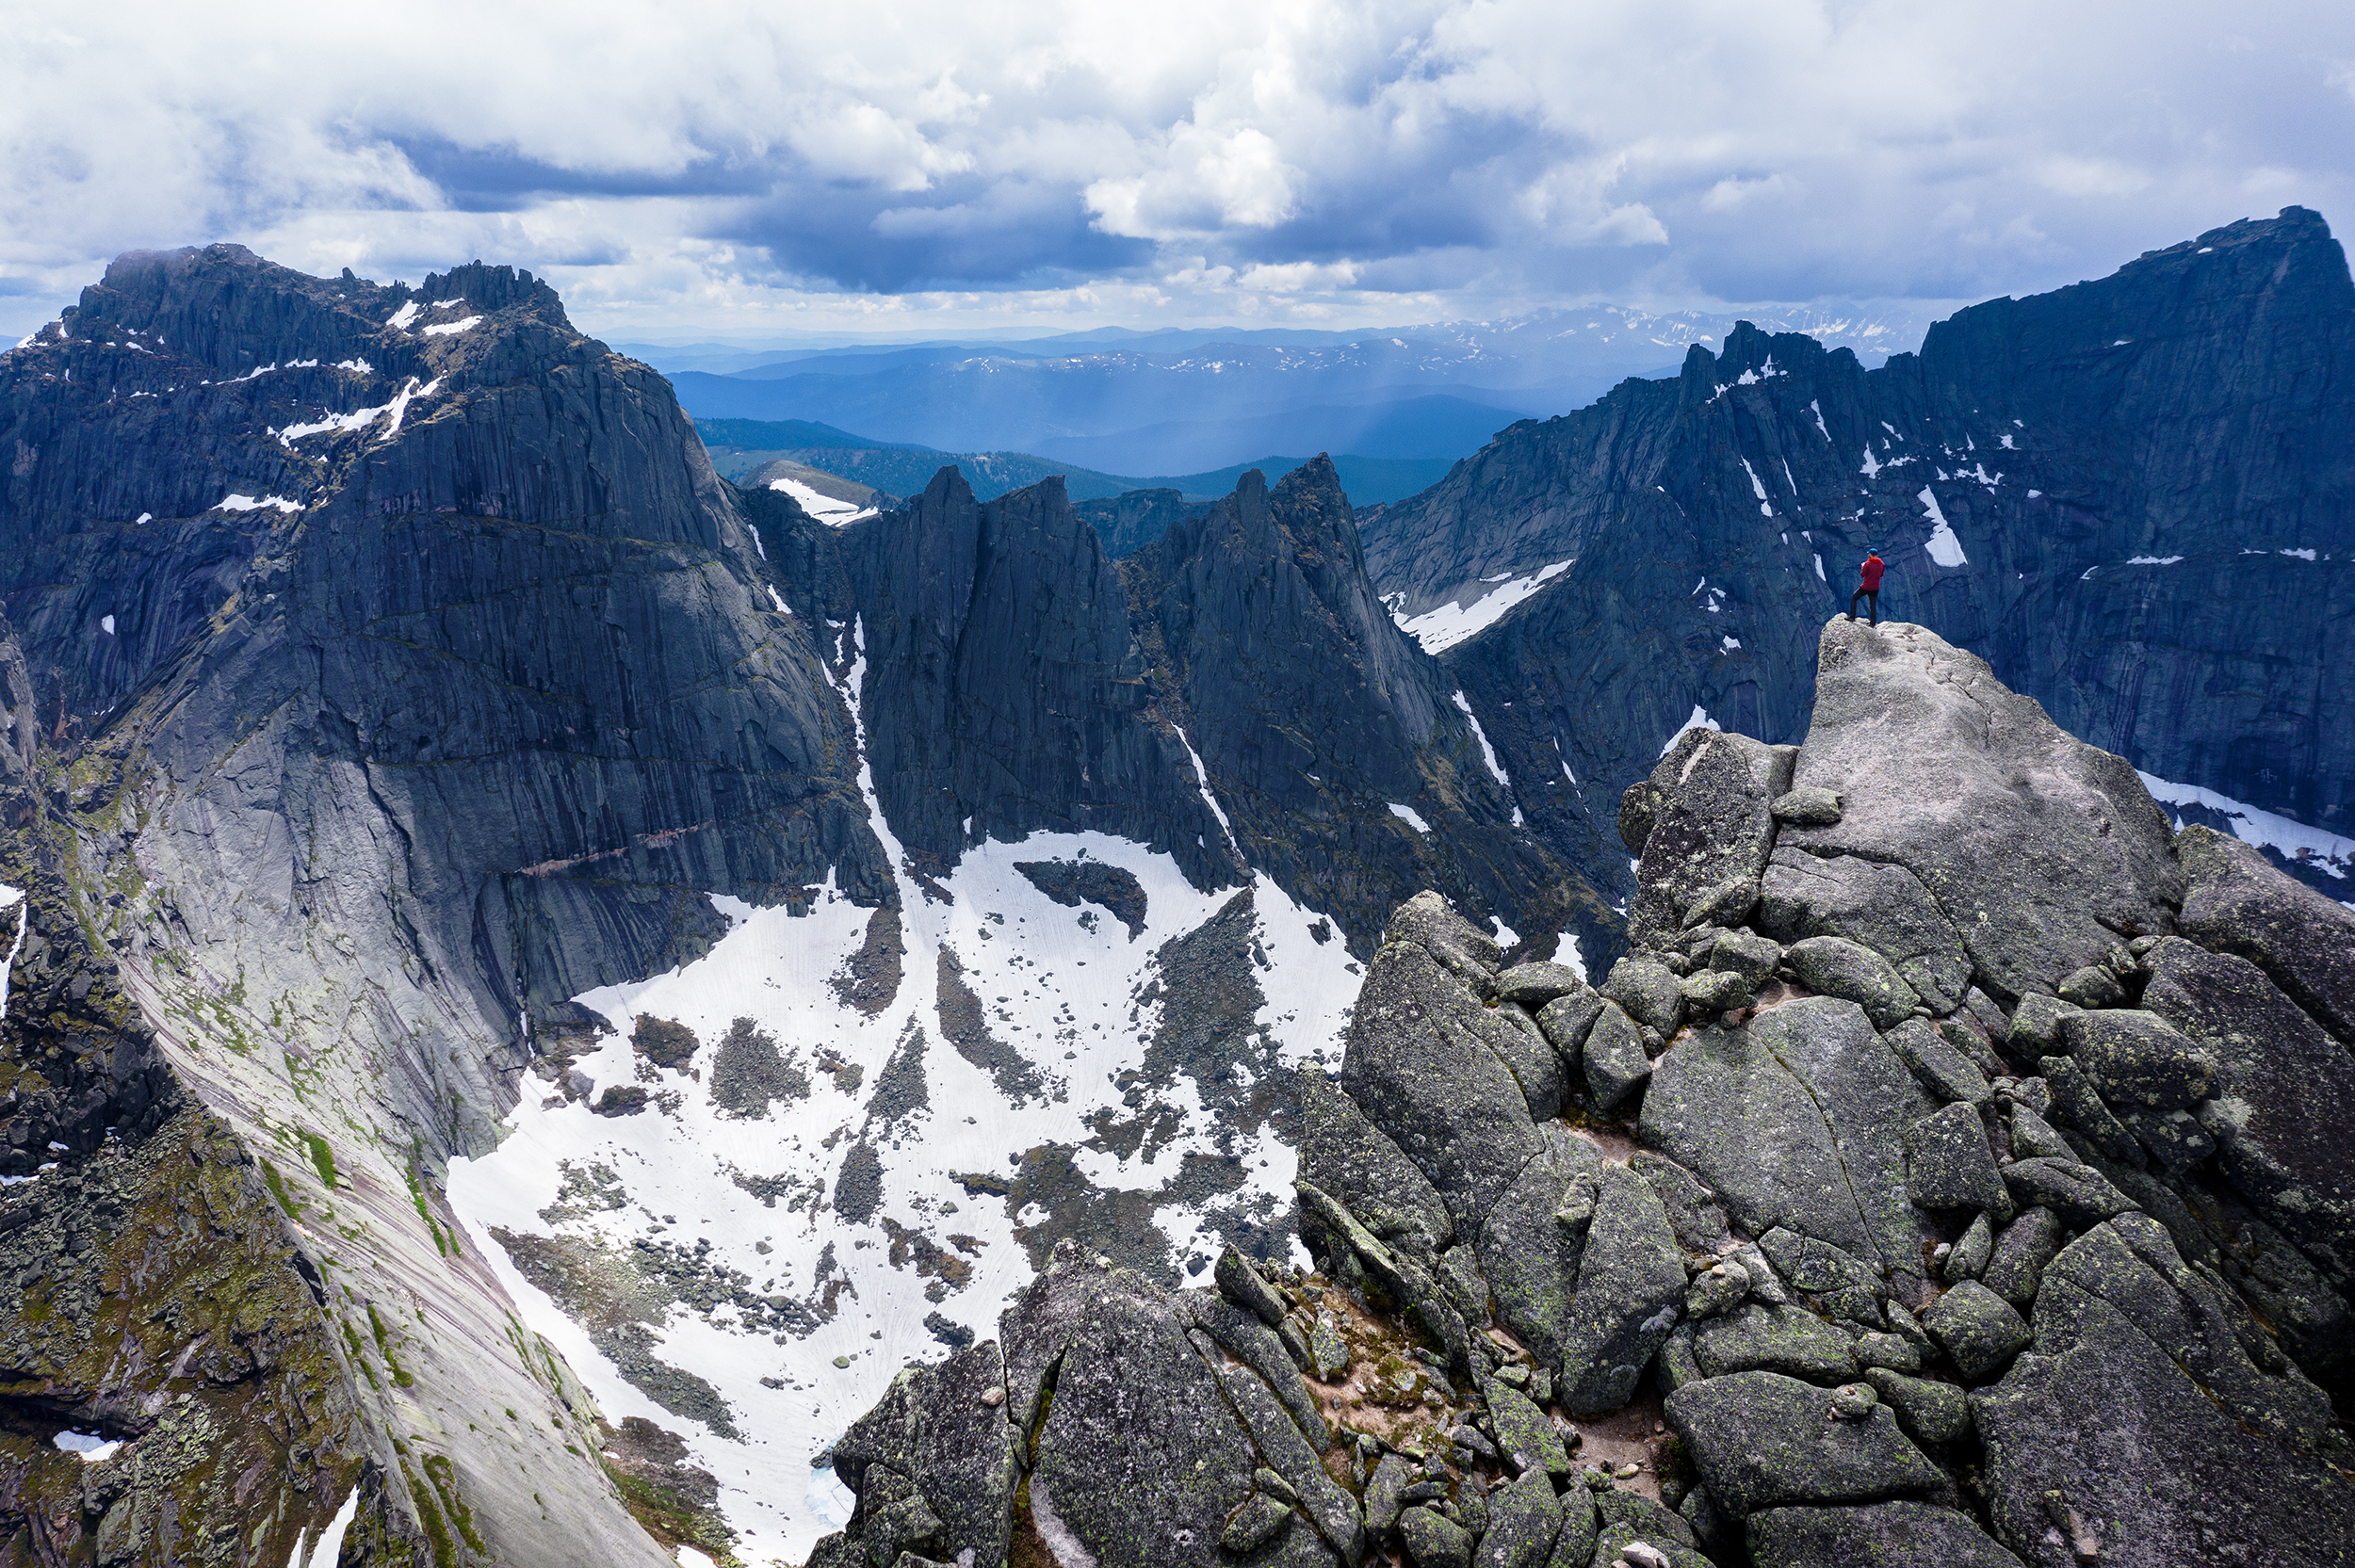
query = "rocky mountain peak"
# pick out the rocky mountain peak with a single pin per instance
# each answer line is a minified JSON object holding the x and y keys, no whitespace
{"x":1913,"y":1274}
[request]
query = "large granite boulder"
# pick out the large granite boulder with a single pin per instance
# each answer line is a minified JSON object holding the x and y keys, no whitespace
{"x":1631,"y":1281}
{"x":1701,"y":823}
{"x":1761,"y":1441}
{"x":1796,"y":1120}
{"x":1884,"y":907}
{"x":2235,"y":902}
{"x":1881,"y":1535}
{"x":2038,"y":849}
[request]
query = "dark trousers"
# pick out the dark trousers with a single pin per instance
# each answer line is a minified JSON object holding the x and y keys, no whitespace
{"x":1872,"y":598}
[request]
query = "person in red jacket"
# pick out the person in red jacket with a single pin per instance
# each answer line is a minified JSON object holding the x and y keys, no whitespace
{"x":1868,"y":587}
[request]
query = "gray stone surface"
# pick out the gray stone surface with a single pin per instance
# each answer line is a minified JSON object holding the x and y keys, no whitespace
{"x":1524,"y":1520}
{"x":1811,"y":807}
{"x":1977,"y":1329}
{"x":2195,"y":1456}
{"x":1748,"y":954}
{"x":1434,"y":1541}
{"x":1928,"y":1410}
{"x":1647,"y":991}
{"x":1883,"y":907}
{"x":2038,"y":849}
{"x":1788,"y":1340}
{"x":1761,"y":1441}
{"x":1947,"y":1073}
{"x":1948,"y":1164}
{"x":1630,"y":1282}
{"x":1349,"y":1158}
{"x":1422,"y":1072}
{"x":2078,"y":1193}
{"x":1883,"y":1535}
{"x":2287,"y":1098}
{"x":1707,"y":804}
{"x":1839,"y":967}
{"x":2082,"y":1107}
{"x":1525,"y":1434}
{"x":2027,"y":1245}
{"x":1613,"y":1060}
{"x":1532,"y":985}
{"x":2235,"y":901}
{"x":1796,"y":1120}
{"x":1566,"y":1020}
{"x":1531,"y":1258}
{"x":2138,"y":1061}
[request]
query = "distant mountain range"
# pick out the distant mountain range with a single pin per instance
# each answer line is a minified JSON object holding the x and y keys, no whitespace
{"x":1185,"y":401}
{"x":742,"y":448}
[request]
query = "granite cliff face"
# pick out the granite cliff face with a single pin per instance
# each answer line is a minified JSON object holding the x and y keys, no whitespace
{"x":1951,"y":1173}
{"x":2132,"y":496}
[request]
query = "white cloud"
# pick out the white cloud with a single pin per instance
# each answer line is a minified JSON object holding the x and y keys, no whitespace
{"x":712,"y":167}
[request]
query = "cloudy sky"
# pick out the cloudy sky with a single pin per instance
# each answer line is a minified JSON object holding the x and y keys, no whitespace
{"x":754,"y":171}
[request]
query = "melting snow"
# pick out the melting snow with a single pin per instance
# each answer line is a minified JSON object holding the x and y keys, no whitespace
{"x":1202,"y":782}
{"x":12,"y":896}
{"x":1730,"y":644}
{"x":1757,"y":488}
{"x":107,"y":624}
{"x":1700,"y":721}
{"x":2007,"y":446}
{"x":1871,"y":464}
{"x":1062,"y":988}
{"x":1411,"y":818}
{"x":89,"y":1445}
{"x":2300,"y":555}
{"x":1944,"y":548}
{"x":1817,"y":407}
{"x":2153,"y":560}
{"x":1445,"y":625}
{"x":248,"y":503}
{"x":1487,"y":752}
{"x":356,"y":366}
{"x":2264,"y":829}
{"x":825,"y":508}
{"x":1819,"y":571}
{"x":402,"y":317}
{"x":446,"y":328}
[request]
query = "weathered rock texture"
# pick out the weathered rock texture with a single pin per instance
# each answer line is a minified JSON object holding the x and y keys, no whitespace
{"x":1895,"y":1301}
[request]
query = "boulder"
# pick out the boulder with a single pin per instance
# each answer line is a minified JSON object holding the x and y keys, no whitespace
{"x":1746,"y":953}
{"x":1881,"y":907}
{"x":1937,"y":1065}
{"x":1948,"y":1164}
{"x":1883,"y":1535}
{"x":1796,"y":1120}
{"x":1529,"y":1255}
{"x":2034,"y":1137}
{"x":1693,"y":1211}
{"x":1788,"y":1340}
{"x":2190,"y":1455}
{"x":1419,"y":1068}
{"x":1566,"y":1020}
{"x":1348,"y":1157}
{"x":1524,"y":1520}
{"x":1839,"y":967}
{"x":1977,"y":1329}
{"x":1647,"y":991}
{"x":1970,"y":1255}
{"x":1574,"y":1545}
{"x":2092,"y":986}
{"x":2235,"y":902}
{"x":2038,"y":849}
{"x":1532,"y":985}
{"x":1614,"y":1060}
{"x":1714,"y":991}
{"x":1705,"y":823}
{"x":2138,"y":1059}
{"x":1525,"y":1438}
{"x":1631,"y":1281}
{"x":1255,"y":1524}
{"x":1282,"y":1447}
{"x":2036,"y":1025}
{"x":954,"y":1457}
{"x":1124,"y":1381}
{"x":1928,"y":1411}
{"x":1761,"y":1439}
{"x":1241,"y":1285}
{"x":2078,"y":1193}
{"x":2016,"y":1268}
{"x":2075,"y":1098}
{"x":1811,"y":807}
{"x":1392,"y":1475}
{"x":2287,"y":1100}
{"x":1433,"y":1540}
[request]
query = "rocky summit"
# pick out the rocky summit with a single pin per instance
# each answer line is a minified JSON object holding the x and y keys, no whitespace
{"x":554,"y":1008}
{"x":1935,"y":1182}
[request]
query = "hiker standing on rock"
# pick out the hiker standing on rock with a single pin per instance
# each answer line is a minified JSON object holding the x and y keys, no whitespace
{"x":1868,"y":587}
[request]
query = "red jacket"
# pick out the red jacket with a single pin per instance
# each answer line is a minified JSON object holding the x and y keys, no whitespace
{"x":1871,"y":569}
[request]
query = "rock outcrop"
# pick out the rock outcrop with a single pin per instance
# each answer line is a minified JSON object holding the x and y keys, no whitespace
{"x":1955,"y":1272}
